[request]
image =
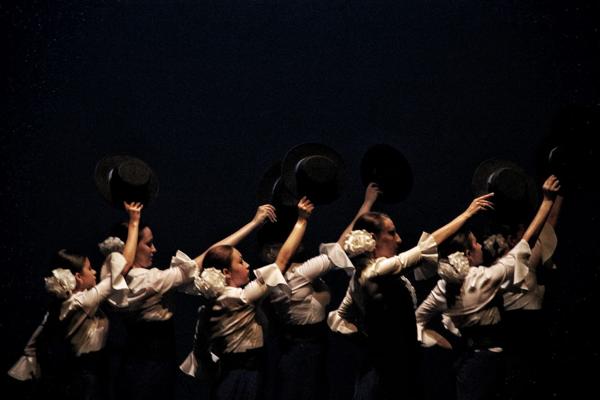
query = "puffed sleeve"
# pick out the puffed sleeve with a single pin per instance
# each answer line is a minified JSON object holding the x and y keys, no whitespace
{"x":267,"y":276}
{"x":511,"y":269}
{"x":337,"y":320}
{"x":425,"y":252}
{"x":112,"y":269}
{"x":181,"y":271}
{"x":544,"y":248}
{"x":332,"y":256}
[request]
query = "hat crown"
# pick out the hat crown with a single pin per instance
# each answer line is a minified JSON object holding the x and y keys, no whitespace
{"x":317,"y":169}
{"x":134,"y":173}
{"x":508,"y":182}
{"x":124,"y":178}
{"x":313,"y":170}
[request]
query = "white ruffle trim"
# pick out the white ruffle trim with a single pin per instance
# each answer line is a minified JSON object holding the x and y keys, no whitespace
{"x":338,"y":256}
{"x":185,"y":263}
{"x":522,"y":255}
{"x":190,"y":365}
{"x":339,"y":324}
{"x":25,"y":368}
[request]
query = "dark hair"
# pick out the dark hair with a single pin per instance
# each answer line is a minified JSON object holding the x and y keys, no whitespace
{"x":218,"y":257}
{"x":459,"y":242}
{"x":121,"y":230}
{"x":69,"y":260}
{"x":371,"y":222}
{"x":53,"y":345}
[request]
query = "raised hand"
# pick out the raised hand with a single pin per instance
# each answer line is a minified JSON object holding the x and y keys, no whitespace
{"x":481,"y":203}
{"x":305,"y":208}
{"x":372,"y":192}
{"x":551,"y":187}
{"x":134,"y":210}
{"x":264,"y":213}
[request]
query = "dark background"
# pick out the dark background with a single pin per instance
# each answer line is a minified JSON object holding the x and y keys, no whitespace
{"x":212,"y":93}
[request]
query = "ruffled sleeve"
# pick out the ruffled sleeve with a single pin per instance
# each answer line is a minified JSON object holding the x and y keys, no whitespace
{"x":182,"y":271}
{"x":337,"y":319}
{"x":547,"y":242}
{"x":423,"y":254}
{"x":27,"y":366}
{"x":112,"y":268}
{"x":185,"y":264}
{"x":338,"y":256}
{"x":513,"y":267}
{"x":267,"y":276}
{"x":189,"y":366}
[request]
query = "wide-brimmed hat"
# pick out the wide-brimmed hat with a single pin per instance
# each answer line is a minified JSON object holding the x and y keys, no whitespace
{"x":313,"y":170}
{"x":515,"y":193}
{"x":389,"y":169}
{"x":272,"y":190}
{"x":125,"y":178}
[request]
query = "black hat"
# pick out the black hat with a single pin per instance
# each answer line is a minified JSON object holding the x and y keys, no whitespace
{"x":388,"y":168}
{"x":124,"y":178}
{"x":313,"y":170}
{"x":515,"y":193}
{"x":272,"y":190}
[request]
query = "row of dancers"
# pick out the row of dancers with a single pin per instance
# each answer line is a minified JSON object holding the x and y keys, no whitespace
{"x":115,"y":339}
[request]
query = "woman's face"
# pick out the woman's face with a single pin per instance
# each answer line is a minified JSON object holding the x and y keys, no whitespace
{"x":388,"y":240}
{"x":475,"y":253}
{"x":237,"y":274}
{"x":86,"y":279}
{"x":145,"y":249}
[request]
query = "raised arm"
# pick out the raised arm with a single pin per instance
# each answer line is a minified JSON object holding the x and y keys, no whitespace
{"x":263,"y":213}
{"x":305,"y":209}
{"x":134,"y":210}
{"x":479,"y":204}
{"x":371,"y":193}
{"x":550,"y":188}
{"x":555,"y":211}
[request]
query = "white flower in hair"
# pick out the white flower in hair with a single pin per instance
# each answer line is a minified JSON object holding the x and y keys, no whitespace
{"x":110,"y":245}
{"x":61,"y":283}
{"x":456,"y":269}
{"x":211,"y":282}
{"x":359,"y":242}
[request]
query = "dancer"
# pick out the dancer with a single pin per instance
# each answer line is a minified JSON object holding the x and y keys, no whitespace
{"x":468,"y":295}
{"x":234,"y":335}
{"x":70,"y":341}
{"x":380,"y":302}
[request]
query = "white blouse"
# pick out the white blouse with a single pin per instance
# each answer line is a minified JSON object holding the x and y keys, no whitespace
{"x":233,"y":318}
{"x":346,"y":318}
{"x":87,"y":325}
{"x":531,"y":298}
{"x":473,"y":306}
{"x":147,"y":286}
{"x":309,"y":294}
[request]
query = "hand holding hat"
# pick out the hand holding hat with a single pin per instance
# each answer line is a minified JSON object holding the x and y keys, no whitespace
{"x":124,"y":178}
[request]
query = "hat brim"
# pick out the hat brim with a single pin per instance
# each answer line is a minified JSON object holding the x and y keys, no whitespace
{"x":271,"y":190}
{"x":515,"y":194}
{"x":289,"y":178}
{"x":389,"y":169}
{"x":102,"y":175}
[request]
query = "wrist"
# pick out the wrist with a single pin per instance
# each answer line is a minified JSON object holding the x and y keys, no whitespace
{"x":302,"y":221}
